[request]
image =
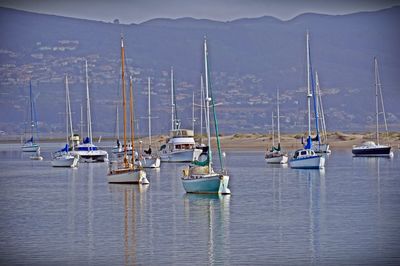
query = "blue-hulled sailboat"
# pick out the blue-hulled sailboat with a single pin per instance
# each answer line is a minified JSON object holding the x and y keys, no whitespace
{"x":306,"y":158}
{"x":200,"y":176}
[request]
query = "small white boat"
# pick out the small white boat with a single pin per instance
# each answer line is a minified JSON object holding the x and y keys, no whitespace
{"x":65,"y":160}
{"x":148,"y":159}
{"x":369,"y":148}
{"x":275,"y":155}
{"x":200,"y":176}
{"x":307,"y":159}
{"x":37,"y":156}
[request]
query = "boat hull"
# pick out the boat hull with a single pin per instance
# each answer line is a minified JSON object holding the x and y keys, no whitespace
{"x":92,"y":156}
{"x":150,"y":162}
{"x":127,"y":177}
{"x":322,"y":148}
{"x":181,"y":156}
{"x":312,"y":162}
{"x":280,"y":159}
{"x":65,"y":161}
{"x":206,"y":184}
{"x":30,"y":147}
{"x":383,"y":151}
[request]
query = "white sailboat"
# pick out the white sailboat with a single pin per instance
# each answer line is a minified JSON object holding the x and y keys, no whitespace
{"x":87,"y":151}
{"x":149,"y":159}
{"x":306,"y":158}
{"x":322,"y":146}
{"x":63,"y":157}
{"x":200,"y":176}
{"x":126,"y":172}
{"x":180,"y":146}
{"x":30,"y":145}
{"x":275,"y":155}
{"x":370,"y":148}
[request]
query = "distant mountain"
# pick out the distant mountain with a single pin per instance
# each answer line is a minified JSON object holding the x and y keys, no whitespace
{"x":249,"y":60}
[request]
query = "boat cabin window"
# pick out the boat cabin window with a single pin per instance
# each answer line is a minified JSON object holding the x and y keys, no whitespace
{"x":184,"y":146}
{"x":303,"y":152}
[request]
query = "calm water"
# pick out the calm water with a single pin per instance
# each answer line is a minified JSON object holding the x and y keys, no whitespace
{"x":347,"y":214}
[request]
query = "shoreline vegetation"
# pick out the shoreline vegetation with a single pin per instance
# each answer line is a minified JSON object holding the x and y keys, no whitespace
{"x":252,"y":141}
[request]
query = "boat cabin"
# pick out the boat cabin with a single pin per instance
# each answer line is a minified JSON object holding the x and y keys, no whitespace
{"x":303,"y":153}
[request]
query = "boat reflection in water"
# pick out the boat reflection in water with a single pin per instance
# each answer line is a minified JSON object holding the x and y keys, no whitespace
{"x":210,"y":212}
{"x":134,"y":198}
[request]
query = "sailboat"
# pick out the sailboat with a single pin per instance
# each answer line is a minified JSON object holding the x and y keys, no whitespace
{"x":275,"y":155}
{"x":200,"y":176}
{"x":63,"y":157}
{"x":126,"y":172}
{"x":87,"y":151}
{"x":30,"y":145}
{"x":149,"y":159}
{"x":180,"y":146}
{"x":322,"y":146}
{"x":370,"y":148}
{"x":306,"y":158}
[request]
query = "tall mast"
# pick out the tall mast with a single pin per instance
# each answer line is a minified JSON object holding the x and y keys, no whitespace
{"x":172,"y":100}
{"x":309,"y":95}
{"x":69,"y":111}
{"x":81,"y":122}
{"x":273,"y":133}
{"x":381,"y":96}
{"x":277,"y":113}
{"x":132,"y":125}
{"x":376,"y":100}
{"x":321,"y":108}
{"x":124,"y":98}
{"x":193,"y":111}
{"x":201,"y":108}
{"x":207,"y":102}
{"x":66,"y":107}
{"x":88,"y":115}
{"x":31,"y":108}
{"x":149,"y":110}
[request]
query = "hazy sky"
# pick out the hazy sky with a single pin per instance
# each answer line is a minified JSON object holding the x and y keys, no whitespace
{"x":136,"y":11}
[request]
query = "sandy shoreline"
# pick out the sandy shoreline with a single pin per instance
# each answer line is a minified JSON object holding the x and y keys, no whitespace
{"x":260,"y":142}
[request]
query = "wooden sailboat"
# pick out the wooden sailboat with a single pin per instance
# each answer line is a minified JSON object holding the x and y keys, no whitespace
{"x":200,"y":176}
{"x":275,"y":155}
{"x":30,"y":145}
{"x":306,"y":158}
{"x":370,"y":148}
{"x":149,"y":159}
{"x":63,"y":157}
{"x":126,"y":172}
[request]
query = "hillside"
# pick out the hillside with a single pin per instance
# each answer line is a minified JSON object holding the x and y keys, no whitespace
{"x":250,"y":58}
